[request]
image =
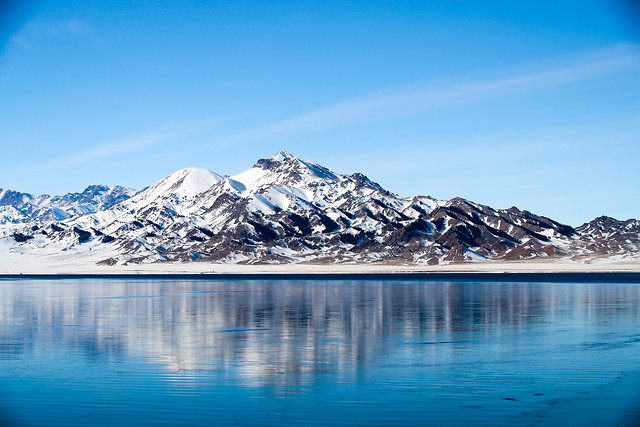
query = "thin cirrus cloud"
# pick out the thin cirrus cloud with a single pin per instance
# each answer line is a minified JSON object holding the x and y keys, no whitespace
{"x":128,"y":144}
{"x":34,"y":32}
{"x":409,"y":101}
{"x":382,"y":105}
{"x":125,"y":145}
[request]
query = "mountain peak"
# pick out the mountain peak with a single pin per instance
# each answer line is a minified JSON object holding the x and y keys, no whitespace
{"x":276,"y":160}
{"x":281,"y":156}
{"x":194,"y":172}
{"x":286,"y":164}
{"x":184,"y":183}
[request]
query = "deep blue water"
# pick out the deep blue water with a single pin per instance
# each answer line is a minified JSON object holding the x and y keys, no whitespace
{"x":272,"y":352}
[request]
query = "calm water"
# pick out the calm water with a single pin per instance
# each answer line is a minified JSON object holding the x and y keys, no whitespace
{"x":198,"y":352}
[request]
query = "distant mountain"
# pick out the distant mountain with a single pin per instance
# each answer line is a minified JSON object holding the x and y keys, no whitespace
{"x":605,"y":235}
{"x":286,"y":209}
{"x":16,"y":207}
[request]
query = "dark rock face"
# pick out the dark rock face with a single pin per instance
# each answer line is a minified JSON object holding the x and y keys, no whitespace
{"x":107,"y":239}
{"x":19,"y":237}
{"x":299,"y":211}
{"x":83,"y":236}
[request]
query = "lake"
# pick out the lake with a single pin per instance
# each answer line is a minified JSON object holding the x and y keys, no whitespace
{"x":161,"y":351}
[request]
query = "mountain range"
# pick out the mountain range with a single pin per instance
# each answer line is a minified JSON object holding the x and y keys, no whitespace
{"x":289,"y":210}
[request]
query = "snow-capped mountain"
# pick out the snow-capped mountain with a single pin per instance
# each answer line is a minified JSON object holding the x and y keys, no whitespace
{"x":16,"y":207}
{"x":286,"y":209}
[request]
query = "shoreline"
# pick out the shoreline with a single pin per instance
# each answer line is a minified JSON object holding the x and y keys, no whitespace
{"x":538,"y":277}
{"x":92,"y":264}
{"x":517,"y":272}
{"x":79,"y":266}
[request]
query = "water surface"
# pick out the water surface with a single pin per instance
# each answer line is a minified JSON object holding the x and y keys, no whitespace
{"x":202,"y":352}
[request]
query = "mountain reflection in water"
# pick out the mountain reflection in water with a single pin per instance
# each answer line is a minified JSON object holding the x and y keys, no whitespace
{"x":286,"y":336}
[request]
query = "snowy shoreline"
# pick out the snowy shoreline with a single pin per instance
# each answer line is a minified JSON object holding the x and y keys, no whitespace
{"x":34,"y":267}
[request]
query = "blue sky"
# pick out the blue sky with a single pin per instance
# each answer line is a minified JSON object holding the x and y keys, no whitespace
{"x":533,"y":104}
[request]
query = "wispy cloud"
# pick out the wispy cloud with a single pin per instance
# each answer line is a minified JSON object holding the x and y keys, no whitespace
{"x":379,"y":106}
{"x":133,"y":143}
{"x":36,"y":31}
{"x":421,"y":98}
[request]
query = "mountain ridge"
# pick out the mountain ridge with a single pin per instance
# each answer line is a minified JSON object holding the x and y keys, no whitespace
{"x":45,"y":208}
{"x":289,"y":210}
